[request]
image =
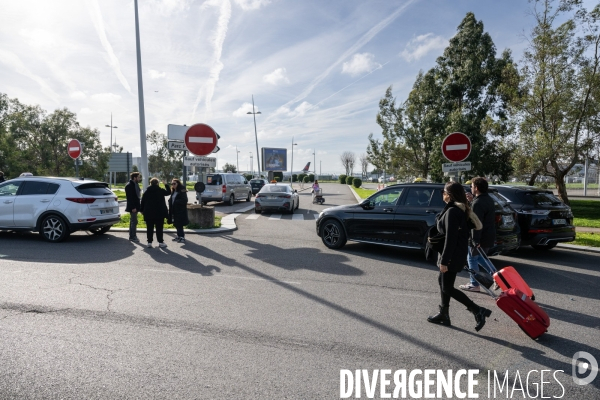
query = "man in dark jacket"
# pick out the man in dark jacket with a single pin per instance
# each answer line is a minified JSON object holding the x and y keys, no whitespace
{"x":133,"y":194}
{"x":155,"y":211}
{"x":481,"y":240}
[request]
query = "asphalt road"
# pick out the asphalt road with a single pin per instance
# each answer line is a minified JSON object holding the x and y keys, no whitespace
{"x":268,"y":312}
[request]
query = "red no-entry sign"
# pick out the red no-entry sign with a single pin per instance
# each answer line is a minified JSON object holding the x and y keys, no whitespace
{"x":74,"y":149}
{"x":456,"y":147}
{"x":201,"y":139}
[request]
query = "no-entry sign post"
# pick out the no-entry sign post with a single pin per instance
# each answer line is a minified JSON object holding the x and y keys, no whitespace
{"x":456,"y":147}
{"x":201,"y":139}
{"x":74,"y":149}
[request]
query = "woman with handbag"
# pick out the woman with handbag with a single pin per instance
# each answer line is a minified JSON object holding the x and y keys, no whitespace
{"x":453,"y":223}
{"x":178,"y":209}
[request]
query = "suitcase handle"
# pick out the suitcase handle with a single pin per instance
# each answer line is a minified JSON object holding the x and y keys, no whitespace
{"x":472,"y":273}
{"x":490,"y":266}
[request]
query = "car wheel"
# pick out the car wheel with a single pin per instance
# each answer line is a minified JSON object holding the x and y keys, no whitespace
{"x":100,"y":231}
{"x":548,"y":246}
{"x":54,"y":229}
{"x":292,"y":209}
{"x":249,"y":196}
{"x":332,"y":234}
{"x":298,"y":205}
{"x":231,"y":199}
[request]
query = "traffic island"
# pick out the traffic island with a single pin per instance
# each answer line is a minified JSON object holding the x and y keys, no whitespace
{"x":202,"y":216}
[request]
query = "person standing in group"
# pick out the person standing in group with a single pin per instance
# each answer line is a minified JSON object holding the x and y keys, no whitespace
{"x":452,"y":222}
{"x":178,"y":208}
{"x":154,"y":209}
{"x":133,"y":194}
{"x":481,"y":240}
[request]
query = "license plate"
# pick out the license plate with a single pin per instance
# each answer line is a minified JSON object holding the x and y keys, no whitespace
{"x":559,"y":222}
{"x":106,"y":211}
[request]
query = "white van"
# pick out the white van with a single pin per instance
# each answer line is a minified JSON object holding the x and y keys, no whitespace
{"x":227,"y":187}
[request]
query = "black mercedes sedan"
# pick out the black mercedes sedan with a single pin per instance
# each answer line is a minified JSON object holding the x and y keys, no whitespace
{"x":401,"y":216}
{"x":545,"y":220}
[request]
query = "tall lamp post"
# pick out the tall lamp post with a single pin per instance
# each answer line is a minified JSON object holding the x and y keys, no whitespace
{"x":292,"y":166}
{"x":237,"y":158}
{"x":255,"y":134}
{"x":111,"y":143}
{"x":251,"y":165}
{"x":315,"y":161}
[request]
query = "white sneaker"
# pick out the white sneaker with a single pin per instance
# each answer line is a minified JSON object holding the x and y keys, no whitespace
{"x":149,"y":245}
{"x":469,"y":287}
{"x":163,"y":245}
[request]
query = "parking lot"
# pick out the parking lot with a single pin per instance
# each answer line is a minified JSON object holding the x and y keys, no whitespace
{"x":269,"y":312}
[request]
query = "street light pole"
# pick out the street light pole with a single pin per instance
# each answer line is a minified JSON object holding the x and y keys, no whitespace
{"x":237,"y":157}
{"x":292,"y":166}
{"x":315,"y":162}
{"x":251,"y":165}
{"x":255,"y":134}
{"x":111,"y":144}
{"x":143,"y":149}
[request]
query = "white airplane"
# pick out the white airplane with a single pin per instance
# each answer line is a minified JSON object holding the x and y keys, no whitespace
{"x":304,"y":171}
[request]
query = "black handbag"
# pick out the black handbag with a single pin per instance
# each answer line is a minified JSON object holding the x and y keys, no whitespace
{"x":435,"y":243}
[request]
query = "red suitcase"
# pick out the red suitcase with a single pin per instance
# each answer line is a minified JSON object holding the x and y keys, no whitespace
{"x":508,"y":278}
{"x":531,"y":318}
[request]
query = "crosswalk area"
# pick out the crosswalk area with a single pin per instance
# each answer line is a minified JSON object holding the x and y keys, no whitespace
{"x":311,"y":216}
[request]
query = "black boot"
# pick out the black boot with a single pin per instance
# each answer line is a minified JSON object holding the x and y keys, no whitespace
{"x":480,"y":314}
{"x":442,"y":317}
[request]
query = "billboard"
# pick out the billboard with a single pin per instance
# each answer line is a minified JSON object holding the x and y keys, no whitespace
{"x":274,"y":159}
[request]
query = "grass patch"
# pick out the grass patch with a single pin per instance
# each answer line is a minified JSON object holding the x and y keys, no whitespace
{"x":586,"y":213}
{"x":364,"y":193}
{"x":120,"y":194}
{"x":126,"y":218}
{"x":587,"y":239}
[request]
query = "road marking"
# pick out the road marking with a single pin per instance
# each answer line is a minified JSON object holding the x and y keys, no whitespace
{"x":296,"y":217}
{"x":253,"y":216}
{"x":275,"y":216}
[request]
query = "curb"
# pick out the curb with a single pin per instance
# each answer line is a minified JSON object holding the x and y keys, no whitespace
{"x":227,"y":225}
{"x":356,"y":196}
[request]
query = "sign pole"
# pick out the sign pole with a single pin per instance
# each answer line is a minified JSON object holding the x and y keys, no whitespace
{"x":77,"y":167}
{"x":184,"y":169}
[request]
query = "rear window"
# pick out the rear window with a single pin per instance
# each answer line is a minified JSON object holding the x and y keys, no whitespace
{"x":94,"y":189}
{"x":256,"y":181}
{"x":499,"y":203}
{"x":274,"y":189}
{"x":540,"y":199}
{"x":214,"y":180}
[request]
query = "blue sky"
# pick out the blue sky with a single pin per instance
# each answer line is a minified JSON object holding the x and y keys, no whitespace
{"x":317,"y":69}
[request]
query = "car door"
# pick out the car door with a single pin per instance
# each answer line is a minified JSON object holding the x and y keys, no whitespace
{"x":374,"y":220}
{"x":32,"y":200}
{"x":416,"y":213}
{"x":8,"y":194}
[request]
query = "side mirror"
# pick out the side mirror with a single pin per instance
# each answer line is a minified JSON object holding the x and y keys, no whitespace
{"x":367,"y":204}
{"x":245,"y":182}
{"x":295,"y":191}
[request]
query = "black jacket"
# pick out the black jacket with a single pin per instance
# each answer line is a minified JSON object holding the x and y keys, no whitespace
{"x":153,"y":204}
{"x":178,"y":209}
{"x":483,"y":206}
{"x":133,"y":201}
{"x":452,"y":221}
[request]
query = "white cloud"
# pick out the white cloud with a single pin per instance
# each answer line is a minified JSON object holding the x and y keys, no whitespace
{"x":251,"y":4}
{"x":168,"y":7}
{"x":359,"y":64}
{"x":297,"y":112}
{"x":154,"y":74}
{"x":78,"y":95}
{"x":276,"y":77}
{"x":86,"y":110}
{"x":243,"y":110}
{"x":38,"y":38}
{"x":106,"y":97}
{"x":13,"y":61}
{"x":419,"y":46}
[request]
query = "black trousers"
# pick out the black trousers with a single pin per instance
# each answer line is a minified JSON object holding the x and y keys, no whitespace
{"x":447,"y":291}
{"x":159,"y":230}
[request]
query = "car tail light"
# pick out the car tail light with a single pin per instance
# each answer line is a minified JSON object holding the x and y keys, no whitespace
{"x":498,"y":218}
{"x":82,"y":200}
{"x":285,"y":196}
{"x":224,"y":188}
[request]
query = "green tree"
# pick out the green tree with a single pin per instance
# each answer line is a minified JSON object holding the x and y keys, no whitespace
{"x":558,"y":112}
{"x":467,"y":91}
{"x":163,"y":163}
{"x":229,"y":168}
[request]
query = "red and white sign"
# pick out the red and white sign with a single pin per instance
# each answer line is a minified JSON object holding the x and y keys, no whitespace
{"x":74,"y":149}
{"x":201,"y":139}
{"x":456,"y":147}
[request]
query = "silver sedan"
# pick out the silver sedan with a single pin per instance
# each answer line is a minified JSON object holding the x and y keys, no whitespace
{"x":276,"y":197}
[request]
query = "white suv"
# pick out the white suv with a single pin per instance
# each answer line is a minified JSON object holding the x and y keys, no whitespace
{"x":55,"y":207}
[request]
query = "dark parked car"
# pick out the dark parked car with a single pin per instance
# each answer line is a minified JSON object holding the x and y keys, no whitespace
{"x":545,"y":220}
{"x":257,"y":184}
{"x":401,"y":216}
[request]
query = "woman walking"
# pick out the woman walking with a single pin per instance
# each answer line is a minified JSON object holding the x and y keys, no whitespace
{"x":452,"y":222}
{"x":178,"y":208}
{"x":154,"y":209}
